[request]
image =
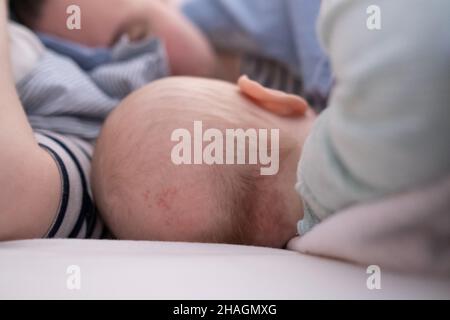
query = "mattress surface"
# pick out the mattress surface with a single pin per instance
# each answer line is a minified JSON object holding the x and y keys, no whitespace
{"x":45,"y":269}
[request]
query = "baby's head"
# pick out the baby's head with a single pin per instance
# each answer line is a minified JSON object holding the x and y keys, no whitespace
{"x":103,"y":22}
{"x":144,"y":194}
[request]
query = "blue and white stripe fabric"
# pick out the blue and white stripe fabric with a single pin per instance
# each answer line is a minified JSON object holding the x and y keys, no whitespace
{"x":61,"y":97}
{"x":87,"y":58}
{"x":77,"y":216}
{"x":271,"y":74}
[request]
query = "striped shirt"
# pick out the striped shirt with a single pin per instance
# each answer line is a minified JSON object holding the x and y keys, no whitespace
{"x":61,"y":97}
{"x":271,"y":74}
{"x":77,"y":216}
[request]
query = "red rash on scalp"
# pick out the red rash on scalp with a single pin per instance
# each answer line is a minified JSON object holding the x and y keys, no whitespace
{"x":166,"y":197}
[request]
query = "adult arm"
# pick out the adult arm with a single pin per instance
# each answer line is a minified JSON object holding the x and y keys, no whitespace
{"x":387,"y":126}
{"x":29,"y":177}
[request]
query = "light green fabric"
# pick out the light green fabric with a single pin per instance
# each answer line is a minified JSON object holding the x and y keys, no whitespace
{"x":387,"y":127}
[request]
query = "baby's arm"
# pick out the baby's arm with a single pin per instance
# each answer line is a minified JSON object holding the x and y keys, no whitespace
{"x":29,"y":178}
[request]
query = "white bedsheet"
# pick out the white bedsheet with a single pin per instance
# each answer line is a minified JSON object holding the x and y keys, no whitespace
{"x":408,"y":232}
{"x":149,"y":270}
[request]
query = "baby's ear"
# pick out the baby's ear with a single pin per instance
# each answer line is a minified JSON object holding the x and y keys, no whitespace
{"x":277,"y":102}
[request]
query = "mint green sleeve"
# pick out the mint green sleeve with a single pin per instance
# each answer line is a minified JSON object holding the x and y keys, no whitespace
{"x":387,"y":126}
